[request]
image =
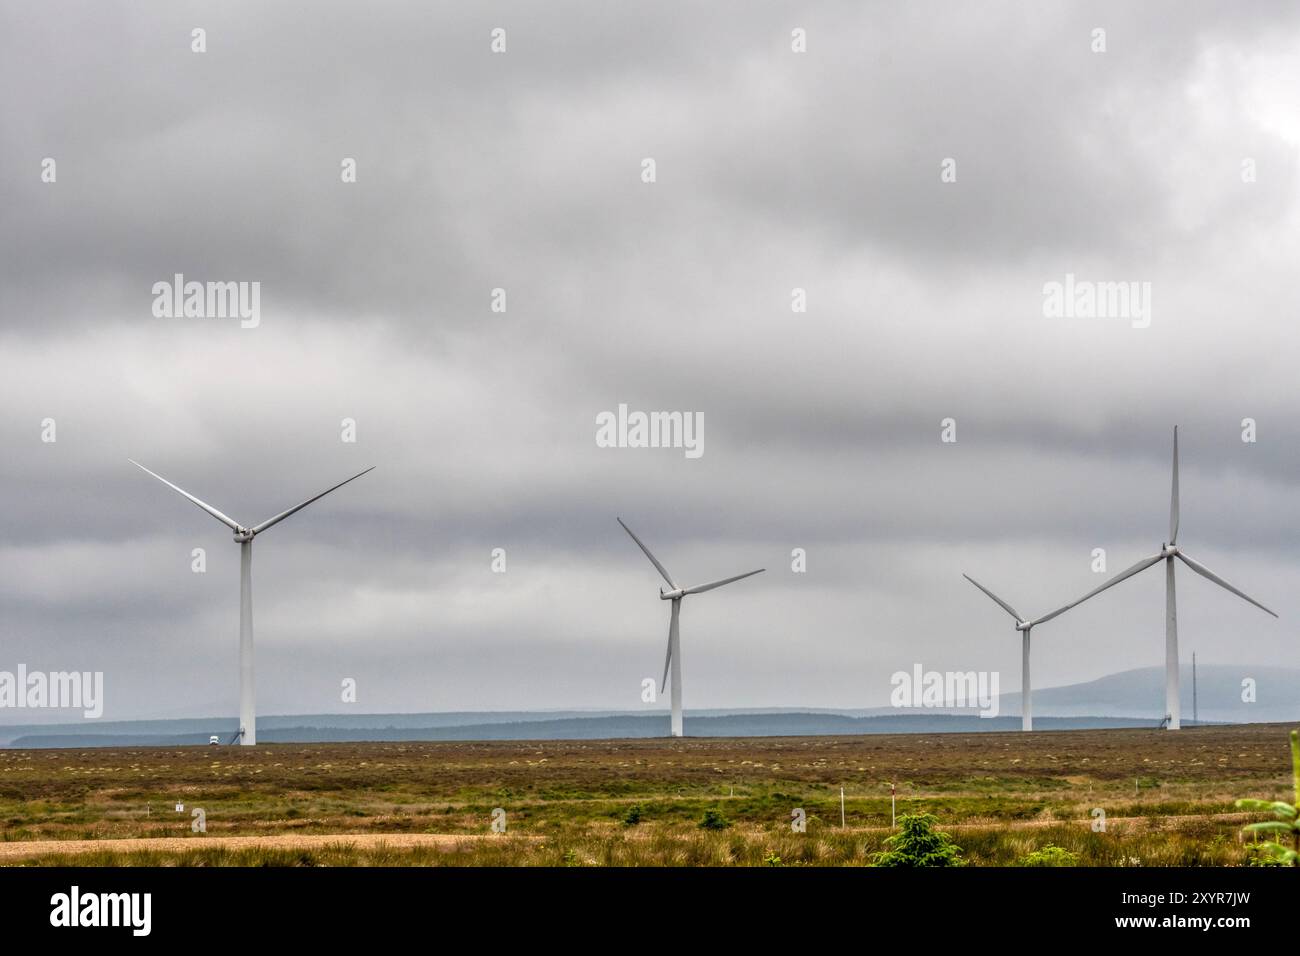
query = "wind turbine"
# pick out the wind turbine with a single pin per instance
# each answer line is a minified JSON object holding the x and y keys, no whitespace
{"x":244,"y":537}
{"x":674,"y":656}
{"x":1024,"y":626}
{"x":1168,"y":552}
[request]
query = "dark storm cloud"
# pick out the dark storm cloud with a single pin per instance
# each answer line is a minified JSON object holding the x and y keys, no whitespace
{"x":473,"y":166}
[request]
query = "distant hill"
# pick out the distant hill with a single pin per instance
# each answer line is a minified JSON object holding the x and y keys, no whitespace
{"x":588,"y":728}
{"x":1141,"y":693}
{"x":1132,"y":698}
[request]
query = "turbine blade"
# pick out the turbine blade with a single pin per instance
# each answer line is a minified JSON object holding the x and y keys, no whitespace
{"x":258,"y":529}
{"x":231,"y":523}
{"x":701,"y":588}
{"x":1005,"y":606}
{"x":653,"y":560}
{"x":1122,"y":576}
{"x":1205,"y":572}
{"x":1173,"y":496}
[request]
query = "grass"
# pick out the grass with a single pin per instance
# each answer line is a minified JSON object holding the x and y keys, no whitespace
{"x":1002,"y":796}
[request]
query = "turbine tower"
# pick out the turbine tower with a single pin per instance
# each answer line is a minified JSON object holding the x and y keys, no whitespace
{"x":1168,"y":552}
{"x":674,"y":656}
{"x":1024,"y":626}
{"x":244,"y":538}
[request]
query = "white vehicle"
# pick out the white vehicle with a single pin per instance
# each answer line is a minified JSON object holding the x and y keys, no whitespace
{"x":214,"y":740}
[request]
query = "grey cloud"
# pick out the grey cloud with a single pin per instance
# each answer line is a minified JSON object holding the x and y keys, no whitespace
{"x":822,"y":428}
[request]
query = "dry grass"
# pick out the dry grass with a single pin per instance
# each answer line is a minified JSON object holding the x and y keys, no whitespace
{"x":1167,"y":798}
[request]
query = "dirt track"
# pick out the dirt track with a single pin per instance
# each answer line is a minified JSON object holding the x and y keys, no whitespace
{"x":297,"y":841}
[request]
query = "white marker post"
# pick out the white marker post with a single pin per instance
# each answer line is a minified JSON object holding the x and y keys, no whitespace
{"x":841,"y":808}
{"x":892,"y":814}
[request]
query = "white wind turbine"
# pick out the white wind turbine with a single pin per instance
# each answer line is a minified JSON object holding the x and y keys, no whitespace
{"x":674,"y":656}
{"x":1168,"y":552}
{"x":244,"y":536}
{"x":1024,"y":626}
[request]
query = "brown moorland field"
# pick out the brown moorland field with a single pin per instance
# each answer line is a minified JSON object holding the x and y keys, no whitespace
{"x":1167,"y":799}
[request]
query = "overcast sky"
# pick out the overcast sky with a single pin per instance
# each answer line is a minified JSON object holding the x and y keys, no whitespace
{"x":522,"y":170}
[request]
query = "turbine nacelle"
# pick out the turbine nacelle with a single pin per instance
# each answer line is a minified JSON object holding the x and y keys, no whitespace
{"x":244,"y":534}
{"x":671,"y":595}
{"x":1168,"y":550}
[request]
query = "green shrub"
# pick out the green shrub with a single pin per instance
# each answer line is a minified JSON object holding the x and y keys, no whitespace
{"x":633,"y":815}
{"x":1050,"y":855}
{"x":713,"y":820}
{"x":1259,"y":854}
{"x":1287,"y":825}
{"x":919,"y":844}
